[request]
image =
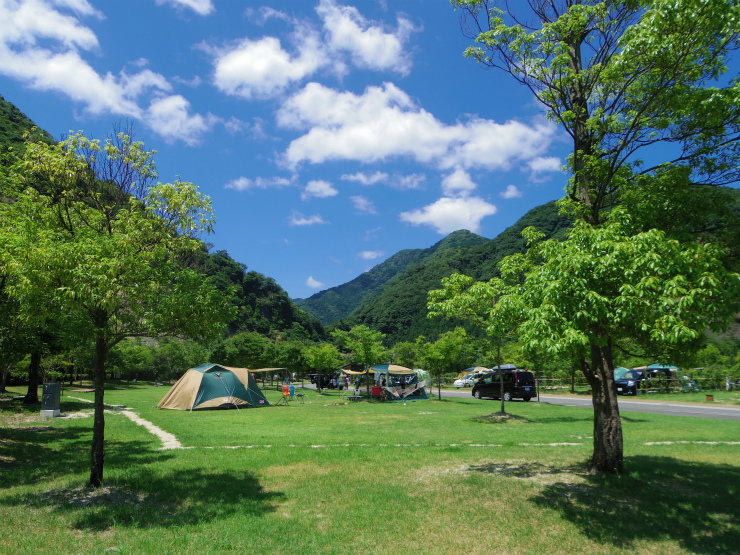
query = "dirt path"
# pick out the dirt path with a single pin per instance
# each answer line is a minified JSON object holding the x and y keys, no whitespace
{"x":169,"y":441}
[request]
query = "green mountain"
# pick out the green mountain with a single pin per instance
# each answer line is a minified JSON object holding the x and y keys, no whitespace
{"x":399,"y":309}
{"x":339,"y":302}
{"x":13,"y":124}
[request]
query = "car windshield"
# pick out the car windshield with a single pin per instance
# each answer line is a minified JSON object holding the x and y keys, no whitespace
{"x":631,"y":375}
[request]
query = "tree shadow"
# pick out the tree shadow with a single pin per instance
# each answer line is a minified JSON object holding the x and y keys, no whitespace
{"x":41,"y":452}
{"x":173,"y":499}
{"x":660,"y":499}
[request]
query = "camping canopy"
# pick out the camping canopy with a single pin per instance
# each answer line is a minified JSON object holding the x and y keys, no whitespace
{"x":402,"y":382}
{"x":214,"y":386}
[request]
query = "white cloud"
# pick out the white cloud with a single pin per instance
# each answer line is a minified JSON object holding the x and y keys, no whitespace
{"x":244,"y":183}
{"x":366,"y":179}
{"x":263,"y":69}
{"x":171,"y":118}
{"x":368,"y":44}
{"x":60,"y":67}
{"x":299,"y":219}
{"x":511,"y":192}
{"x":318,"y":189}
{"x":450,"y":214}
{"x":201,"y":7}
{"x":362,"y":204}
{"x":385,"y":123}
{"x":314,"y":284}
{"x":545,"y":164}
{"x":458,"y":182}
{"x":370,"y":255}
{"x":410,"y":181}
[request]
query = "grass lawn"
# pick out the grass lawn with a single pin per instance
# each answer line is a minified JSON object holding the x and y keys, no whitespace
{"x":327,"y":477}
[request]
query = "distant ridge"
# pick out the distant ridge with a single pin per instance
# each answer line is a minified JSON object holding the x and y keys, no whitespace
{"x":400,"y":312}
{"x":340,"y":301}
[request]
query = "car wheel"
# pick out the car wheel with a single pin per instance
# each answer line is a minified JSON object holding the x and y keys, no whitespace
{"x":477,"y":394}
{"x":507,"y":396}
{"x":527,"y":398}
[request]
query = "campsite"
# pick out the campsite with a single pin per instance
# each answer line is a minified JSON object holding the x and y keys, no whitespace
{"x":331,"y":476}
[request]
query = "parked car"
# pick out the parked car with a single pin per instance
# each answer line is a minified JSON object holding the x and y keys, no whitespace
{"x":325,"y":380}
{"x":518,"y":384}
{"x":630,"y":382}
{"x":466,"y":381}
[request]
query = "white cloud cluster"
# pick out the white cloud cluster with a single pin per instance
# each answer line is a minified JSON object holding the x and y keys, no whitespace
{"x":28,"y":27}
{"x":319,"y":189}
{"x":457,"y":209}
{"x":367,"y":43}
{"x":366,"y":179}
{"x":363,"y":204}
{"x":370,"y":255}
{"x":511,"y":192}
{"x":264,"y":68}
{"x":298,"y":219}
{"x":201,"y":7}
{"x":244,"y":183}
{"x":384,"y":123}
{"x":313,"y":283}
{"x":450,"y":214}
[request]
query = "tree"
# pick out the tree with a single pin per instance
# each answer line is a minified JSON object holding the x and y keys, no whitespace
{"x":492,"y":305}
{"x":405,"y":354}
{"x":323,"y":358}
{"x":449,"y":351}
{"x":629,"y":82}
{"x":86,"y":228}
{"x":366,"y":344}
{"x":611,"y":284}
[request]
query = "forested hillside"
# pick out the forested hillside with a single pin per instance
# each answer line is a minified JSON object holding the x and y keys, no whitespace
{"x":263,"y":306}
{"x":399,"y":310}
{"x":339,"y":302}
{"x":13,"y":124}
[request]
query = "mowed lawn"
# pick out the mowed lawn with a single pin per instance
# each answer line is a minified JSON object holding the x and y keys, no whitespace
{"x":430,"y":477}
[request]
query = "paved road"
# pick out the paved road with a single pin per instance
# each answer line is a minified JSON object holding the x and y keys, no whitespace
{"x":675,"y":409}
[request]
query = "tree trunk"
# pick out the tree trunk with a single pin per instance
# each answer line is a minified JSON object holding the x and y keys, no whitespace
{"x":4,"y":373}
{"x":500,"y":377}
{"x":34,"y":378}
{"x":96,"y":450}
{"x":608,"y":453}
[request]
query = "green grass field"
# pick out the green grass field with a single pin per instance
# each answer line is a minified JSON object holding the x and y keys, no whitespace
{"x":327,"y":477}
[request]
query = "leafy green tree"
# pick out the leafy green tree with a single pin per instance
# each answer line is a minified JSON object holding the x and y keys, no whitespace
{"x":405,"y":354}
{"x":323,"y":358}
{"x":608,"y":284}
{"x":365,"y":343}
{"x":628,"y":82}
{"x":94,"y":235}
{"x":450,"y":351}
{"x":492,"y":305}
{"x":243,"y":350}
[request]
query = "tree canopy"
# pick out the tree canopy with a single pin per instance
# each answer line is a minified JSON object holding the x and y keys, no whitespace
{"x":86,"y":229}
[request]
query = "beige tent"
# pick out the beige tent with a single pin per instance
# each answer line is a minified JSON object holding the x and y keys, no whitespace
{"x":211,"y":386}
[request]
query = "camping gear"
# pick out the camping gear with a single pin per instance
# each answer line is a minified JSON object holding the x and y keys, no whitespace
{"x":211,"y":386}
{"x":401,"y":383}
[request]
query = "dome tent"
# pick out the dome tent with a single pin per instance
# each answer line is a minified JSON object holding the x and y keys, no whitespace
{"x":212,"y":386}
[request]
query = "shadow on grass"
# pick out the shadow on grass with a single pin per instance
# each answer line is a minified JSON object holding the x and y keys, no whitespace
{"x":173,"y":499}
{"x":142,"y":494}
{"x":661,"y":499}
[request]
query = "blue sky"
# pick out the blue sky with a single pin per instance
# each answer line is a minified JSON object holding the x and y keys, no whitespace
{"x":329,"y":135}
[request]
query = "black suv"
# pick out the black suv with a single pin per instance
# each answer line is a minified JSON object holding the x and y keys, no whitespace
{"x":518,"y":384}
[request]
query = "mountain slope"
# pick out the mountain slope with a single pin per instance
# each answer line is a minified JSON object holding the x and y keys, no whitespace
{"x":13,"y":124}
{"x":400,"y":311}
{"x":339,"y":302}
